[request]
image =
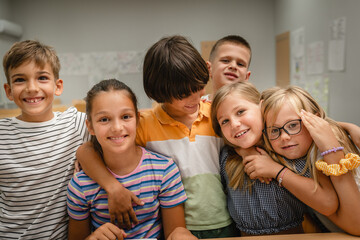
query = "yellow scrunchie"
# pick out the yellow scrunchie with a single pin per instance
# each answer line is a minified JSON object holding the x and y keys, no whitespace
{"x":350,"y":162}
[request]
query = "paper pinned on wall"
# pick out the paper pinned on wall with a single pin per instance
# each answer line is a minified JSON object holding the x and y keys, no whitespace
{"x":100,"y":63}
{"x":318,"y":87}
{"x":315,"y":58}
{"x":336,"y":59}
{"x":297,"y":56}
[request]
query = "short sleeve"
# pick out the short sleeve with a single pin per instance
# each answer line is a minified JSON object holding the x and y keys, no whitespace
{"x":140,"y":133}
{"x":172,"y":190}
{"x":222,"y":159}
{"x":77,"y":206}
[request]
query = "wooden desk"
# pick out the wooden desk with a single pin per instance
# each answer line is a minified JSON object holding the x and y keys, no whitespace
{"x":305,"y":236}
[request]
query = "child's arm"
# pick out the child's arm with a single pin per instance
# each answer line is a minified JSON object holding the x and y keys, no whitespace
{"x":347,"y":216}
{"x":353,"y":130}
{"x":173,"y":220}
{"x":79,"y":230}
{"x":323,"y":199}
{"x":120,"y":199}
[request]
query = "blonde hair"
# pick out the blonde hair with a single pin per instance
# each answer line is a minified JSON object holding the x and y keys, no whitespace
{"x":273,"y":100}
{"x":234,"y":166}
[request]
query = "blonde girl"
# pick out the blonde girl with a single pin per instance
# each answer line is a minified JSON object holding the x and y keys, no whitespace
{"x":257,"y":208}
{"x":296,"y":128}
{"x":112,"y":117}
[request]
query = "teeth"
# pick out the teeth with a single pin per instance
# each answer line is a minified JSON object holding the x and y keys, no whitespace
{"x":115,"y":138}
{"x":34,"y":100}
{"x":242,"y":133}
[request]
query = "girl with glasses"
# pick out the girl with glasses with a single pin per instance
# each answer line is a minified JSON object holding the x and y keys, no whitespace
{"x":297,"y":129}
{"x":257,"y":208}
{"x":293,"y":138}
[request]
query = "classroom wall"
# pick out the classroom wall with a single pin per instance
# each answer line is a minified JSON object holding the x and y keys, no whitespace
{"x":315,"y":16}
{"x":84,"y":26}
{"x":5,"y":44}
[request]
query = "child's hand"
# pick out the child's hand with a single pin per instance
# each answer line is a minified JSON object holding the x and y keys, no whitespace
{"x":107,"y":231}
{"x":120,"y":207}
{"x":320,"y":131}
{"x":77,"y":166}
{"x":354,"y":132}
{"x":181,"y":233}
{"x":261,"y":166}
{"x":249,"y":152}
{"x":355,"y":135}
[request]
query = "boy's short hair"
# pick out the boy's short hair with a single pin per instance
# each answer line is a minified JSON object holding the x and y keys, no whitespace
{"x":234,"y":39}
{"x":30,"y":50}
{"x":173,"y":68}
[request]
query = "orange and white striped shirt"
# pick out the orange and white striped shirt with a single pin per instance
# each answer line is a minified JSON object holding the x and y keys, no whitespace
{"x":196,"y":153}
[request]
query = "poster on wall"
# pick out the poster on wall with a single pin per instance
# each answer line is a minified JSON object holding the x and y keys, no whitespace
{"x":297,"y":56}
{"x":336,"y":60}
{"x":318,"y":87}
{"x":100,"y":65}
{"x":315,"y":58}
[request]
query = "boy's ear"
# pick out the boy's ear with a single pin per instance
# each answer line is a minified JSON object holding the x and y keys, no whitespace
{"x":248,"y":75}
{"x":8,"y":92}
{"x":59,"y":87}
{"x":208,"y":64}
{"x":89,"y":127}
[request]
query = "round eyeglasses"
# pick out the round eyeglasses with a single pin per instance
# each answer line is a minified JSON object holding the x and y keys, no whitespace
{"x":291,"y":128}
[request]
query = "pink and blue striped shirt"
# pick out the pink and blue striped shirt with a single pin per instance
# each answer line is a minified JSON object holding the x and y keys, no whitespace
{"x":156,"y":181}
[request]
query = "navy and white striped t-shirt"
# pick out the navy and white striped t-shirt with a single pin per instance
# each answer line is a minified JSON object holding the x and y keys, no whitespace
{"x":36,"y":164}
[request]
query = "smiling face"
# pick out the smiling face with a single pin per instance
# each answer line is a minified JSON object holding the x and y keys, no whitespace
{"x":240,"y":121}
{"x":289,"y":146}
{"x":113,"y":122}
{"x":185,"y":106}
{"x":32,"y":88}
{"x":229,"y":65}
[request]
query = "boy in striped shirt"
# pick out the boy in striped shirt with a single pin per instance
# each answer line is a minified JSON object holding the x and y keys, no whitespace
{"x":37,"y":148}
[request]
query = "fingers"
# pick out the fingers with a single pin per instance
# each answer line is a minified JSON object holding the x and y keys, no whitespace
{"x":261,"y":151}
{"x":133,"y":217}
{"x":121,"y":208}
{"x":112,"y":217}
{"x":246,"y":160}
{"x":77,"y":166}
{"x":106,"y":232}
{"x":136,"y":200}
{"x":306,"y":118}
{"x":247,"y":165}
{"x":127,"y":221}
{"x":251,"y":172}
{"x":311,"y":119}
{"x":120,"y":219}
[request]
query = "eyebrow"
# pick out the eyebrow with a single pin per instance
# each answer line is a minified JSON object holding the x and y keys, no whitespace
{"x":125,"y":110}
{"x":23,"y":74}
{"x":233,"y":109}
